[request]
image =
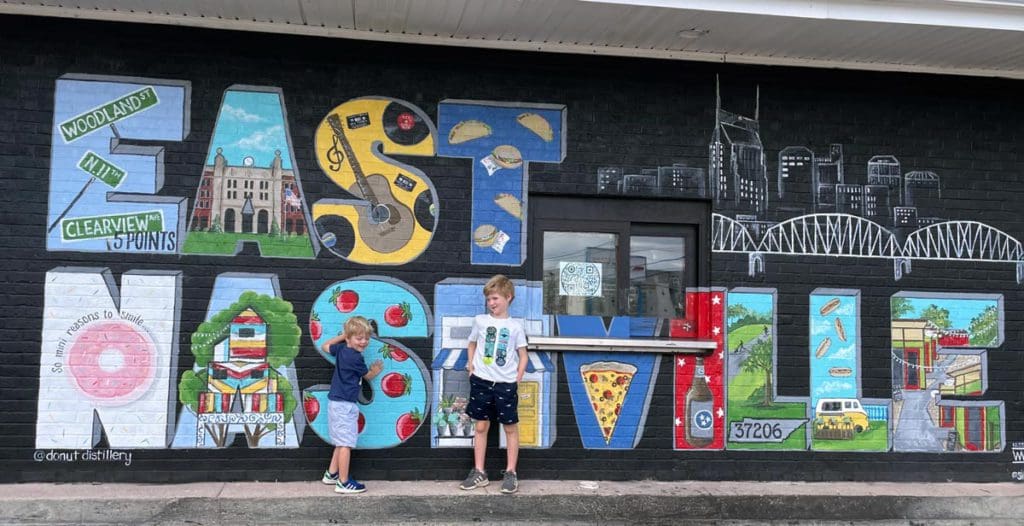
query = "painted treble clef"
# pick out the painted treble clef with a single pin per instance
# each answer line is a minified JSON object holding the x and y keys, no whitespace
{"x":334,"y":156}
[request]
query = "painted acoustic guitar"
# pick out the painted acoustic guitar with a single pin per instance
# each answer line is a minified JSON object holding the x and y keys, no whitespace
{"x":390,"y":220}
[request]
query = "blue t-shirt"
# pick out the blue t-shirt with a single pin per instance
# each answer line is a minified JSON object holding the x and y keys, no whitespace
{"x":349,"y":369}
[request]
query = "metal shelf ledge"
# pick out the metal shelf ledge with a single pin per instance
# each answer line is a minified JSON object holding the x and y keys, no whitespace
{"x":639,"y":345}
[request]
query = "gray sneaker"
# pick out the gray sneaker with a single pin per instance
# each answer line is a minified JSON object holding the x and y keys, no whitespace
{"x":510,"y":483}
{"x":475,"y":479}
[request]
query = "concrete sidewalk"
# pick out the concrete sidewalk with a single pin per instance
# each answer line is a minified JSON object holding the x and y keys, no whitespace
{"x":538,"y":501}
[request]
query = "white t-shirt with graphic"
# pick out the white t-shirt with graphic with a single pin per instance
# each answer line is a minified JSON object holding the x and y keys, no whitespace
{"x":497,"y":342}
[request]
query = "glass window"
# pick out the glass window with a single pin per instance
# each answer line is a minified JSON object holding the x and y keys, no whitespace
{"x":579,"y":273}
{"x":656,"y":266}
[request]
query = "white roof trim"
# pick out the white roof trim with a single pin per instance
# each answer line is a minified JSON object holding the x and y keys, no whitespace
{"x":973,"y":14}
{"x":307,"y":30}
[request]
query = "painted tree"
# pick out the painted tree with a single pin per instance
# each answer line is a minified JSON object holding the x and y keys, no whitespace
{"x":901,"y":308}
{"x":984,"y":328}
{"x":283,"y":336}
{"x":760,"y":360}
{"x":734,"y":313}
{"x":937,"y":315}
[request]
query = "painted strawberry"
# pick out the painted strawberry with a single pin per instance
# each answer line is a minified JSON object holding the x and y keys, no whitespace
{"x":312,"y":407}
{"x":345,"y":300}
{"x":396,"y":384}
{"x":316,"y":330}
{"x":398,"y":315}
{"x":408,"y":423}
{"x":361,"y":422}
{"x":393,"y":353}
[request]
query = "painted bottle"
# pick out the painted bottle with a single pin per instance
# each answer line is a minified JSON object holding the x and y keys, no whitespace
{"x":700,"y":419}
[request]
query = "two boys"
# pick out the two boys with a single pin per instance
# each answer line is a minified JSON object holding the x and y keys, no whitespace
{"x":496,"y":362}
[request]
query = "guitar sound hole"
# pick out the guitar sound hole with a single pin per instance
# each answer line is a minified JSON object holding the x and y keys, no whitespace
{"x":380,"y":214}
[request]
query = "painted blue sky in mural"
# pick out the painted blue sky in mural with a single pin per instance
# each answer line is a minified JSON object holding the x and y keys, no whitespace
{"x":753,"y":301}
{"x":961,"y":311}
{"x":251,"y":124}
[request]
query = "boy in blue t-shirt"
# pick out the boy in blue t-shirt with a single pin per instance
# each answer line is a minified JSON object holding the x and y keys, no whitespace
{"x":342,"y":412}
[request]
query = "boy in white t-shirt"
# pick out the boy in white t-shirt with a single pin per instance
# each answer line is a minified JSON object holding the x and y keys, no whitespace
{"x":497,"y":362}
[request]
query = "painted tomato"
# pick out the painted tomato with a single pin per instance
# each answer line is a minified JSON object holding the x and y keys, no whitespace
{"x":393,"y":353}
{"x":408,"y":423}
{"x":396,"y":384}
{"x":361,"y":422}
{"x":312,"y":407}
{"x":398,"y":315}
{"x":316,"y":330}
{"x":345,"y":300}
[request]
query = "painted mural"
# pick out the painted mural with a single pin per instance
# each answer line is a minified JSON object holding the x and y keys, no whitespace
{"x":758,"y":418}
{"x":698,"y":380}
{"x":102,"y":193}
{"x":843,"y":420}
{"x":106,"y":357}
{"x":822,"y":210}
{"x":610,"y":391}
{"x":243,"y":379}
{"x":392,"y":406}
{"x":250,"y":189}
{"x":108,"y":353}
{"x":502,"y":139}
{"x":940,"y":346}
{"x":458,"y":300}
{"x":391,"y":217}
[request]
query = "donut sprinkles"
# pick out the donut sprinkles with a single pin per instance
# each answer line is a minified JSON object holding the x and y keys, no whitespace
{"x":112,"y":361}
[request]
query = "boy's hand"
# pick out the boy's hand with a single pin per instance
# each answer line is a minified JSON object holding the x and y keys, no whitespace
{"x":519,"y":376}
{"x":377,"y":367}
{"x":469,"y":367}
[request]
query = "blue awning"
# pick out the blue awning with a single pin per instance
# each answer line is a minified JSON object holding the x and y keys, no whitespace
{"x":455,"y":359}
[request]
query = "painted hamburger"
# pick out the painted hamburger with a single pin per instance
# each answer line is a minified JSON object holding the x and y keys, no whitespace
{"x":507,"y":156}
{"x":485,"y":235}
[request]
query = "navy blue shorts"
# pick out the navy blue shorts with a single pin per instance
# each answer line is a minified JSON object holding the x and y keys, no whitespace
{"x":494,"y":401}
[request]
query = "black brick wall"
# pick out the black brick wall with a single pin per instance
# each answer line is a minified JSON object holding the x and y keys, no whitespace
{"x":629,"y":112}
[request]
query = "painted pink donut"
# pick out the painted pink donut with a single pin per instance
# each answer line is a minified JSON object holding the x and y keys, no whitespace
{"x":112,"y":361}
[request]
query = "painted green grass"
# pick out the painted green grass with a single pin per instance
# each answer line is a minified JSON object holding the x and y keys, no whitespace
{"x":876,"y":438}
{"x":288,"y":246}
{"x":741,"y":387}
{"x":744,"y":334}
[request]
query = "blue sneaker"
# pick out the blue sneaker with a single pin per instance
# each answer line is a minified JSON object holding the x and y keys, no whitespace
{"x":349,"y":486}
{"x":329,"y":478}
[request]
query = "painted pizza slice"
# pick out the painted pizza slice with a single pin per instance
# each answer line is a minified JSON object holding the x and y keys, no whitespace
{"x":607,"y":384}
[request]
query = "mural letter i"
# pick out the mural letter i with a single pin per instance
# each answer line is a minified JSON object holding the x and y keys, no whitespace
{"x":842,"y":419}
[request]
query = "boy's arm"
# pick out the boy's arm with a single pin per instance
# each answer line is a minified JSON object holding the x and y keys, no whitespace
{"x":470,"y":351}
{"x":521,"y":349}
{"x":326,"y":347}
{"x":523,"y":358}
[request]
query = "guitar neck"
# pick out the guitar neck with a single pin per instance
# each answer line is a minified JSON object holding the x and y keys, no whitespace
{"x":339,"y":133}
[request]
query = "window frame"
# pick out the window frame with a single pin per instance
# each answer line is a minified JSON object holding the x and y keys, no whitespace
{"x":625,"y":217}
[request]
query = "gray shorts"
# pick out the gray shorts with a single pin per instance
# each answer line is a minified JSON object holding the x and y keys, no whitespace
{"x":343,"y":421}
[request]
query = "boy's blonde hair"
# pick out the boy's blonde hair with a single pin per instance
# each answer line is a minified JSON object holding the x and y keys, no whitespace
{"x":502,"y":285}
{"x":358,"y":326}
